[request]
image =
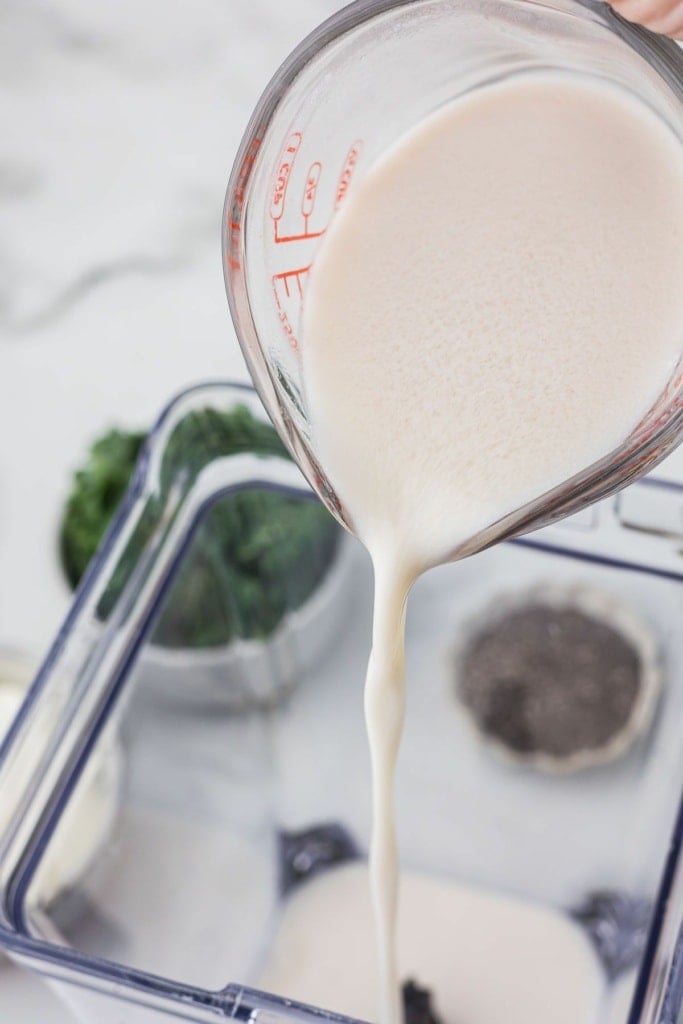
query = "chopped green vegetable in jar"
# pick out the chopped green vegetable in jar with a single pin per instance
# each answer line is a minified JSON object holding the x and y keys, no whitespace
{"x":256,"y":554}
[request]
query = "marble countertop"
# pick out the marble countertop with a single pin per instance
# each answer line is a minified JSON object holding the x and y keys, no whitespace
{"x":121,"y":124}
{"x":122,"y":121}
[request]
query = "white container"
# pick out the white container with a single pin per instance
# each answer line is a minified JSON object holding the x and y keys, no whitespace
{"x":254,"y":673}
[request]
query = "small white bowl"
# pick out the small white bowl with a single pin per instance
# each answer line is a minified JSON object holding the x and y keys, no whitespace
{"x":597,"y":604}
{"x":254,"y":673}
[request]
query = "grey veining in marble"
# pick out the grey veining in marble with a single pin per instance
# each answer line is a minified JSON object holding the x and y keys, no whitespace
{"x":120,"y":124}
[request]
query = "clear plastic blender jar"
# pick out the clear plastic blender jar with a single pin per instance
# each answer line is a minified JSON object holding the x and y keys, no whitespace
{"x":181,"y":908}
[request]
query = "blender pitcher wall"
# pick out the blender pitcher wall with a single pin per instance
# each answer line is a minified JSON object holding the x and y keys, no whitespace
{"x":616,"y":821}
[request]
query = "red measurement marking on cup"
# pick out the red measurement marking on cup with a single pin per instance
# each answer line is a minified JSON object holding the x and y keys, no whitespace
{"x":348,"y":170}
{"x":301,"y":237}
{"x":283,"y":174}
{"x":292,"y":281}
{"x":310,"y":189}
{"x":288,"y":289}
{"x":234,"y":223}
{"x":282,"y":181}
{"x":307,"y":206}
{"x":288,"y":285}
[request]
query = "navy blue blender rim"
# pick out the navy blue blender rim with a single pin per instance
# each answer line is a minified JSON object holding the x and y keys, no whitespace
{"x":234,"y":1000}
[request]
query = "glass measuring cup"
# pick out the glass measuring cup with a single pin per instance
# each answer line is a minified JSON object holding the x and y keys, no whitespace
{"x":346,"y":94}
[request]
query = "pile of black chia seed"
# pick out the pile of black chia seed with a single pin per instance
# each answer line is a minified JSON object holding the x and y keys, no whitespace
{"x":547,"y":680}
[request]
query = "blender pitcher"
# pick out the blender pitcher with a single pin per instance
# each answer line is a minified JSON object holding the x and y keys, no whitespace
{"x":353,"y":87}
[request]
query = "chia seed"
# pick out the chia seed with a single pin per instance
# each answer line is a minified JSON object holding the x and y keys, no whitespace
{"x":417,"y":1004}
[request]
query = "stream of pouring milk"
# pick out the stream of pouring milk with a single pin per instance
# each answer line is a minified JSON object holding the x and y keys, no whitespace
{"x":496,"y":305}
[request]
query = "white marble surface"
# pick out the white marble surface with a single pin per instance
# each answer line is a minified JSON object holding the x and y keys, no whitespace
{"x":120,"y":123}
